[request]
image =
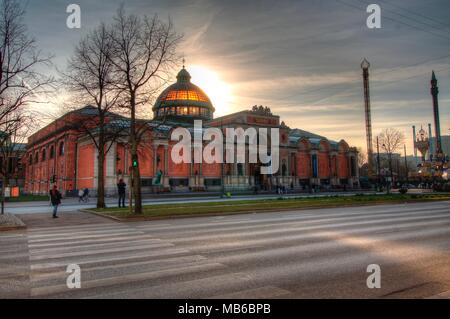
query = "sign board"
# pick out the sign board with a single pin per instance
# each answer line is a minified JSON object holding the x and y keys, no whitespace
{"x":7,"y":192}
{"x":15,"y":191}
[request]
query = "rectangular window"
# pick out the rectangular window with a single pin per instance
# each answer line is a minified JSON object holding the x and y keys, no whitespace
{"x":192,"y":96}
{"x":145,"y":182}
{"x":171,"y":96}
{"x":182,"y":95}
{"x":179,"y":182}
{"x":213,"y":182}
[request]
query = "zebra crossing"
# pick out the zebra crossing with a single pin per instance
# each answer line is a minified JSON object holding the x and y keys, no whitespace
{"x":311,"y":253}
{"x":14,"y":268}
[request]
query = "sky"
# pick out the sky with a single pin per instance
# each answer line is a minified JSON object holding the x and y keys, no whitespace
{"x":301,"y":58}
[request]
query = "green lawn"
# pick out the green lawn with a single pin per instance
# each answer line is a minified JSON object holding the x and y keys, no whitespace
{"x":241,"y":206}
{"x":28,"y":198}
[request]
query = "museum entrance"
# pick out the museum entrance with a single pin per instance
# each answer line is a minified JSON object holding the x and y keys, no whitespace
{"x":255,"y":174}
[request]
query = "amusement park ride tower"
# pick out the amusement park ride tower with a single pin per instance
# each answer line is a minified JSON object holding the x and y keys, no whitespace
{"x":365,"y":65}
{"x":435,"y":165}
{"x":437,"y":122}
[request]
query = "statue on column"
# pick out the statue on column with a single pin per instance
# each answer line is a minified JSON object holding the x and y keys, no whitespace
{"x":158,"y":178}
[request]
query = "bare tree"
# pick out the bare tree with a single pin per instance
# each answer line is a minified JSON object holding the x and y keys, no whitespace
{"x":90,"y":76}
{"x":391,"y":140}
{"x":144,"y":54}
{"x":362,"y":162}
{"x":13,"y":136}
{"x":20,"y":82}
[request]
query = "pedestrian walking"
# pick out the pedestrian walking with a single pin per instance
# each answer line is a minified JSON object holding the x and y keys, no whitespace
{"x":86,"y":195}
{"x":121,"y":188}
{"x":55,"y":198}
{"x":80,"y":195}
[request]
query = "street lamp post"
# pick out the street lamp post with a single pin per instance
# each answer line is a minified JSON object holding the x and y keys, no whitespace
{"x":378,"y":165}
{"x":222,"y":164}
{"x":406,"y":166}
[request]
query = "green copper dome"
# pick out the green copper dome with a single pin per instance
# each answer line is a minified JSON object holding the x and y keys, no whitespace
{"x":183,"y":100}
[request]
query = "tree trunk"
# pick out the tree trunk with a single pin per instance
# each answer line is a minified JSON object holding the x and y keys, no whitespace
{"x":136,"y":180}
{"x":137,"y":191}
{"x":390,"y":168}
{"x":101,"y":171}
{"x":5,"y":182}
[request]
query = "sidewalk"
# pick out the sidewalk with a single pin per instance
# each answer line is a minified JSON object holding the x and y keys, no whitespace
{"x":174,"y":197}
{"x":66,"y":219}
{"x":10,"y":222}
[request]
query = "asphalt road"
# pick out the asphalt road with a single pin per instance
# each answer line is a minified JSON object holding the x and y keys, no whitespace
{"x":299,"y":254}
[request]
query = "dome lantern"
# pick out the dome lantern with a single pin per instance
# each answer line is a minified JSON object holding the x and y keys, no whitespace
{"x":183,"y":76}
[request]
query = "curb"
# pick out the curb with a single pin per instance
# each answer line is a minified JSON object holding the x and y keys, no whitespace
{"x":292,"y":209}
{"x":143,"y":218}
{"x":11,"y":228}
{"x":102,"y":215}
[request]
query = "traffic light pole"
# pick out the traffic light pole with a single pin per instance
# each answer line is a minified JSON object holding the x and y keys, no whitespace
{"x":131,"y":191}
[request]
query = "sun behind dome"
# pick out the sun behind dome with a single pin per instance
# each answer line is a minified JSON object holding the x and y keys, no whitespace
{"x":183,"y":100}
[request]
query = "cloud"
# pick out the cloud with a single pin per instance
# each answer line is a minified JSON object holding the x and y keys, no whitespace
{"x":301,"y":58}
{"x":194,"y":42}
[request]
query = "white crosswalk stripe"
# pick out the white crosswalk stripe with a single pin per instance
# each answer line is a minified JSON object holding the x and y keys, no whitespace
{"x":267,"y":255}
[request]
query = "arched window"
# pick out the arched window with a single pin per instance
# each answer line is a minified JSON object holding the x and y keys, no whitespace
{"x":44,"y":154}
{"x":52,"y":151}
{"x":61,"y":149}
{"x":30,"y":159}
{"x":36,"y":157}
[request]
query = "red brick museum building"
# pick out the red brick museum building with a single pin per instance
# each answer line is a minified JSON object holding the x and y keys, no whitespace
{"x":61,"y":154}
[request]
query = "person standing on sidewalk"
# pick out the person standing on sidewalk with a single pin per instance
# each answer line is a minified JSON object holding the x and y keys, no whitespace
{"x":121,"y":188}
{"x":55,"y":198}
{"x":80,"y":195}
